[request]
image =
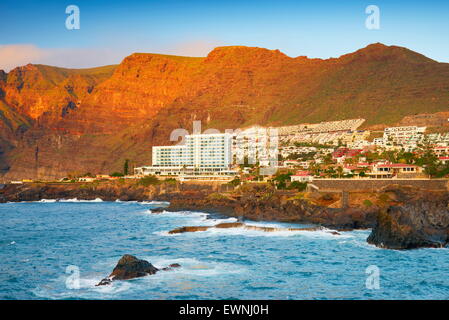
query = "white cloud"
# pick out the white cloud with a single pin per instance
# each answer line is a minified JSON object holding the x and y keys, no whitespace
{"x":14,"y":55}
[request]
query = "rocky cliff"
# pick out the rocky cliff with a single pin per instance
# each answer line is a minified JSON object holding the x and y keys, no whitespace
{"x":422,"y":220}
{"x":60,"y":120}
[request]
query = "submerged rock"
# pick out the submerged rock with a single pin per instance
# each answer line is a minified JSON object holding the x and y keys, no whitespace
{"x":188,"y":229}
{"x":228,"y":225}
{"x":171,"y":267}
{"x":130,"y":267}
{"x":104,"y":282}
{"x":157,"y":210}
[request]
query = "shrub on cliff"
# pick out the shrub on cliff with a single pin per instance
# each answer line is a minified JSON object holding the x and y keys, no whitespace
{"x":300,"y":186}
{"x":367,"y":203}
{"x":116,"y":174}
{"x":235,"y":182}
{"x":258,"y":190}
{"x":149,"y":180}
{"x":217,"y":197}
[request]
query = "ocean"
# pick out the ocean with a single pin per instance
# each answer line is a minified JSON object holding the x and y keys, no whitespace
{"x":60,"y":250}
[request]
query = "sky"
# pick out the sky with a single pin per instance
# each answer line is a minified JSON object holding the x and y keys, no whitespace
{"x":35,"y":31}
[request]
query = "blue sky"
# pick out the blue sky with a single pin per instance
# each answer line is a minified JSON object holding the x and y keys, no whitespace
{"x":34,"y":31}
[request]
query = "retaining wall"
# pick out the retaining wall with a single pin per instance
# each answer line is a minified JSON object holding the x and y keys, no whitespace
{"x":377,"y":184}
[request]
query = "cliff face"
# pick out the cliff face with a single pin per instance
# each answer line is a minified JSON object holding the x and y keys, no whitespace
{"x":38,"y":90}
{"x":421,"y":221}
{"x":93,"y":119}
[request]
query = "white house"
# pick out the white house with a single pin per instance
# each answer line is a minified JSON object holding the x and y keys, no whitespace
{"x":302,"y":176}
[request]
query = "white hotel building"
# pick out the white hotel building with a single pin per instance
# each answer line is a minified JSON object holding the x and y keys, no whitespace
{"x":201,"y":155}
{"x":407,"y":137}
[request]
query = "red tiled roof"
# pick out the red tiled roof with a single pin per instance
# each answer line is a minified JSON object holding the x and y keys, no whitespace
{"x":302,"y":174}
{"x":396,"y":165}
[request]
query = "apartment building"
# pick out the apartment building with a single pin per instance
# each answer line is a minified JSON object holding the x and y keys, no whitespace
{"x":404,"y":135}
{"x":200,"y":154}
{"x":256,"y":145}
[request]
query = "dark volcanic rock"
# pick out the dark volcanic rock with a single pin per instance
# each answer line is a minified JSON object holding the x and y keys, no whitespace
{"x":174,"y":265}
{"x":229,"y":225}
{"x":420,"y":223}
{"x":171,"y":267}
{"x":188,"y":229}
{"x":104,"y":282}
{"x":226,"y":225}
{"x":130,"y":267}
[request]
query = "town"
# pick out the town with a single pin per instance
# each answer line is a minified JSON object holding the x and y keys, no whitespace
{"x":304,"y":152}
{"x":295,"y":155}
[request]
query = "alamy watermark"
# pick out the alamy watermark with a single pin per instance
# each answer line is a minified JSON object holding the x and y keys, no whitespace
{"x":373,"y":279}
{"x":73,"y":280}
{"x":372,"y":22}
{"x":255,"y":145}
{"x":72,"y":22}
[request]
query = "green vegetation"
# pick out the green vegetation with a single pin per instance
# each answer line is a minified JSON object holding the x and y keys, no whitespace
{"x":126,"y":167}
{"x":300,"y":186}
{"x":436,"y":170}
{"x":281,"y":179}
{"x":149,"y":180}
{"x":116,"y":174}
{"x":217,"y":196}
{"x":170,"y":180}
{"x":367,"y":203}
{"x":235,"y":182}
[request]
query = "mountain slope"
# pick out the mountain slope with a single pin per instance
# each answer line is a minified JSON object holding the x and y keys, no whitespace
{"x":94,"y":119}
{"x":36,"y":89}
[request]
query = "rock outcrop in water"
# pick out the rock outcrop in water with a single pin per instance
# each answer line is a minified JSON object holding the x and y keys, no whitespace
{"x":130,"y":267}
{"x":245,"y":227}
{"x":421,"y":221}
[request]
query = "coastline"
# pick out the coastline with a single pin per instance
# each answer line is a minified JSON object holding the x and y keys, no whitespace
{"x":400,"y":217}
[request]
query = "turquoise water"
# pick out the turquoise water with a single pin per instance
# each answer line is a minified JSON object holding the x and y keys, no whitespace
{"x":38,"y":241}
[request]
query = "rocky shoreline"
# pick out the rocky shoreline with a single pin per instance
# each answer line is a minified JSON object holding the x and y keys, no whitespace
{"x":264,"y":204}
{"x":402,"y":218}
{"x":421,"y":221}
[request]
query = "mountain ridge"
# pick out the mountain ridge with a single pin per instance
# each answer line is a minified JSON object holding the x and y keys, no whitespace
{"x":112,"y":113}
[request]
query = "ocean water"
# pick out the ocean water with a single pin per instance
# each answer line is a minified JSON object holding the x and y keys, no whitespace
{"x":44,"y":246}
